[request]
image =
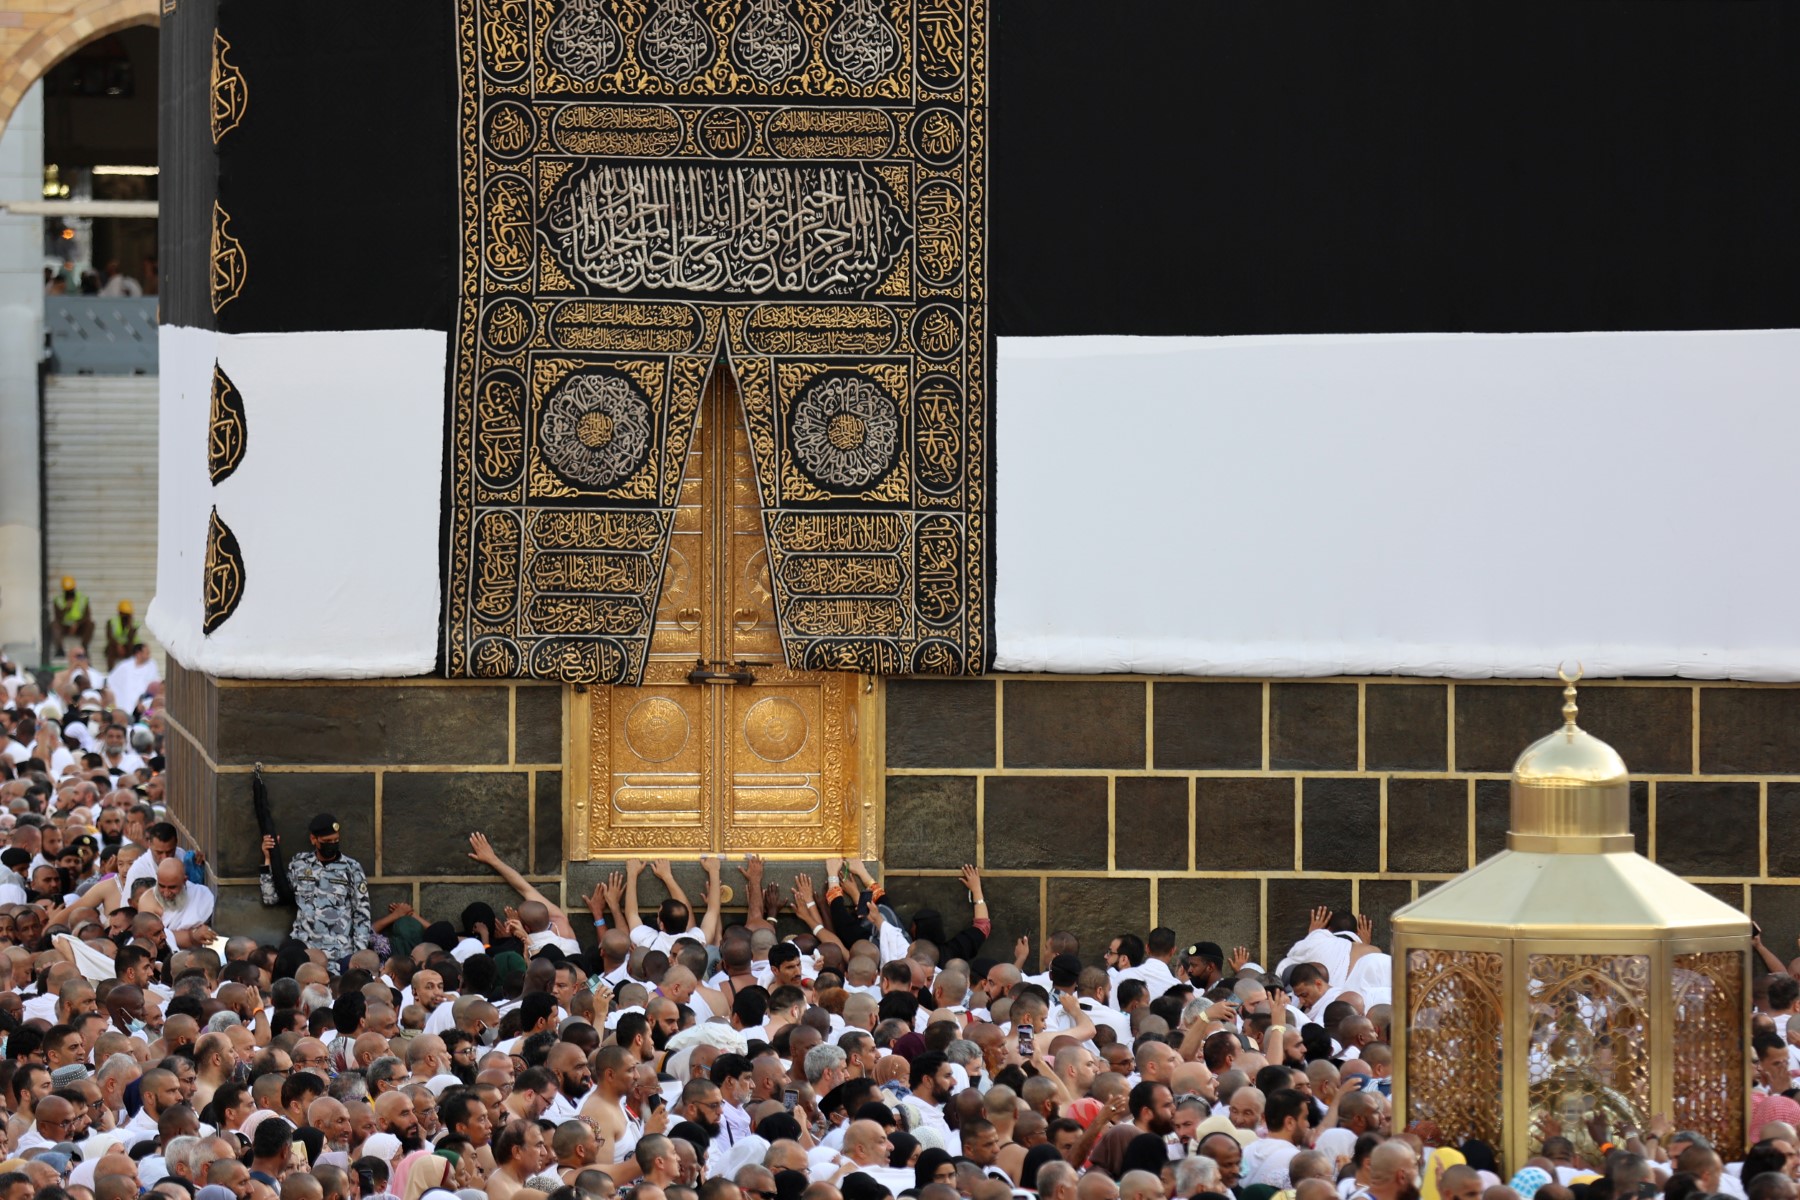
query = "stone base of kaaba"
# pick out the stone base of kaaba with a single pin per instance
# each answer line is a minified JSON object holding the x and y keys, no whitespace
{"x":1224,"y":809}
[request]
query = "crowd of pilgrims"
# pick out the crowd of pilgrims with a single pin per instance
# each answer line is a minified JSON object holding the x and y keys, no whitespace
{"x":819,"y":1046}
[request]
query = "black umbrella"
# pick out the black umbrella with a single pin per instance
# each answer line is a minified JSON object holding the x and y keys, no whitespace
{"x":265,"y":820}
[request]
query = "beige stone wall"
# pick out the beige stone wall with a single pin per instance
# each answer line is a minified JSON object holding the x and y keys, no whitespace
{"x":36,"y":34}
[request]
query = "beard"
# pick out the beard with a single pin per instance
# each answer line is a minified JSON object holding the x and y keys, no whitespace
{"x":1409,"y":1192}
{"x":1161,"y":1127}
{"x":574,"y":1089}
{"x":464,"y":1072}
{"x":412,"y":1141}
{"x":710,"y":1128}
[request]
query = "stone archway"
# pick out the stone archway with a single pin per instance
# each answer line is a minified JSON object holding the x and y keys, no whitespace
{"x":42,"y":39}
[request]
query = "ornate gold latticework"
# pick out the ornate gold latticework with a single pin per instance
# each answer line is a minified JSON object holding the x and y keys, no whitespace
{"x":1453,"y":1051}
{"x":1708,"y":1001}
{"x":1589,"y":1052}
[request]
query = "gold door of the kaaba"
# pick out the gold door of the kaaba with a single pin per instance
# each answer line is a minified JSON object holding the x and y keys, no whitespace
{"x":722,"y":748}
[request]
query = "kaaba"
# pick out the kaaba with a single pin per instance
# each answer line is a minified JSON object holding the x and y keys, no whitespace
{"x":1157,"y":452}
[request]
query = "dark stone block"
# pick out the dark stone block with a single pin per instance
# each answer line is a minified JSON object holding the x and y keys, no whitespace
{"x":1708,"y":828}
{"x":239,"y":911}
{"x":1640,"y":817}
{"x":1650,"y":727}
{"x":1208,"y":726}
{"x":445,"y":901}
{"x":1312,"y":726}
{"x":1150,"y":823}
{"x":427,"y":816}
{"x":293,"y":800}
{"x":538,"y":725}
{"x":1406,"y":727}
{"x":1016,"y":910}
{"x":1749,"y":731}
{"x":1784,"y":819}
{"x":930,"y":820}
{"x":363,"y":724}
{"x":548,"y":804}
{"x":1428,"y":825}
{"x":1074,"y":724}
{"x":940,"y":723}
{"x":1494,"y":722}
{"x":1098,"y":910}
{"x":1226,"y":911}
{"x":1012,"y":906}
{"x":1493,"y":816}
{"x":1244,"y":824}
{"x":1729,"y":893}
{"x":1046,"y":822}
{"x":583,"y":878}
{"x":1291,"y":902}
{"x":1775,"y":907}
{"x":1378,"y":899}
{"x":1340,"y":825}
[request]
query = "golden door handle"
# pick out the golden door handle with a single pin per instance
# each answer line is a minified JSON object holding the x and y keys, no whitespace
{"x":688,"y":619}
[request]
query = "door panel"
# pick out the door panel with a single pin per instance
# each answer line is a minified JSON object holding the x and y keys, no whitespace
{"x":768,"y":764}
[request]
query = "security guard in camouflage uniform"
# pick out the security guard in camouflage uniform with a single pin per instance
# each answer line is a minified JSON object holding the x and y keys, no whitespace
{"x":330,"y":891}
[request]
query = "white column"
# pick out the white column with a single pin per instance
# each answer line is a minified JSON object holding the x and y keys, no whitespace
{"x":21,"y":338}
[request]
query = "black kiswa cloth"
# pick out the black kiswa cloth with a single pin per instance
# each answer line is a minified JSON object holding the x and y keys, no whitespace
{"x":1211,"y":167}
{"x":339,"y":178}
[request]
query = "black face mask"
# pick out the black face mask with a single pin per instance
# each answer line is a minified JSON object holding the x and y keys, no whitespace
{"x":330,"y":852}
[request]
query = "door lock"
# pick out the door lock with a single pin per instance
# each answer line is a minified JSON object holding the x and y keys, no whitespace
{"x":739,"y":672}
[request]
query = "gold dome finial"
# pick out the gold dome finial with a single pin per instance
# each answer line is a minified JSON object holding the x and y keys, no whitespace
{"x":1570,"y":709}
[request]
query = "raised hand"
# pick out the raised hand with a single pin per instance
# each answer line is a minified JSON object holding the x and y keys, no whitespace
{"x":1239,"y":956}
{"x":615,"y":888}
{"x":1321,"y":916}
{"x":1022,"y":951}
{"x":635,"y":866}
{"x":752,"y":870}
{"x":1278,"y":1002}
{"x":710,"y":864}
{"x":1365,"y":929}
{"x":268,"y":846}
{"x":400,"y":908}
{"x":480,"y":850}
{"x":971,"y":879}
{"x":662,"y":869}
{"x":834,"y":868}
{"x":772,"y":901}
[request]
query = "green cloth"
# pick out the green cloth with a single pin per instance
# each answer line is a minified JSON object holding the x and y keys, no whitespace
{"x":404,"y":934}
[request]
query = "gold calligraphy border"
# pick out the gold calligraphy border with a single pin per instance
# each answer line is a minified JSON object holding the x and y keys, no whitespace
{"x":516,"y":144}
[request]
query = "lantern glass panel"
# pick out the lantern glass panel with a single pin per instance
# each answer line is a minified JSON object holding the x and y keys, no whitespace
{"x":1453,"y":1045}
{"x":1708,"y":995}
{"x":1589,"y":1054}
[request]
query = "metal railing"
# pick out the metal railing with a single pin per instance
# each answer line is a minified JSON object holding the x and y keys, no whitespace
{"x":101,"y":335}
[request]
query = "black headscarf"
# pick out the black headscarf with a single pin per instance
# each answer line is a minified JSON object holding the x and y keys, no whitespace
{"x":479,"y":913}
{"x":1035,"y":1160}
{"x":903,"y":1146}
{"x":931,"y":1160}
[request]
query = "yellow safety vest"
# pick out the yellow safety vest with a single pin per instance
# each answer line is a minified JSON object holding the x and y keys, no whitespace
{"x":76,"y":608}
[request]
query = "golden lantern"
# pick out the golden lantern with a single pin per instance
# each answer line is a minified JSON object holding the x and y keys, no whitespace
{"x":1569,"y":977}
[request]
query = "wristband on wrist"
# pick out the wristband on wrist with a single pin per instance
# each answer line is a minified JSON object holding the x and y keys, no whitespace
{"x":599,"y":922}
{"x":819,"y":927}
